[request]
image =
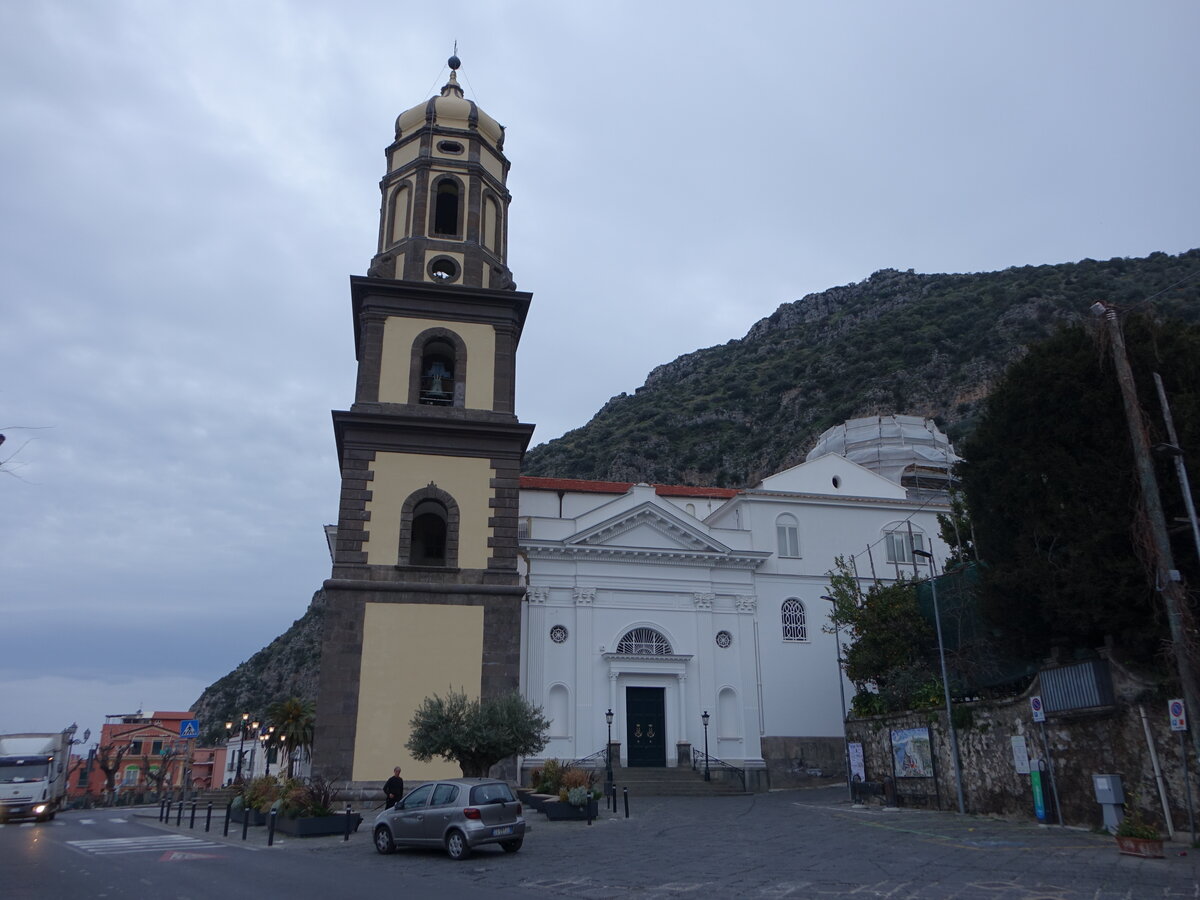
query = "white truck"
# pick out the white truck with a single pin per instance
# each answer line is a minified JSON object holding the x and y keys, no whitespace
{"x":33,"y":774}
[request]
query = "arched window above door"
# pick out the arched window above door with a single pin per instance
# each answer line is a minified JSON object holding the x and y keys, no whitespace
{"x":644,"y":642}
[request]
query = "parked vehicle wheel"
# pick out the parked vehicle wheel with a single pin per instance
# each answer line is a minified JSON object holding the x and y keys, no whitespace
{"x":457,"y":846}
{"x":512,"y":846}
{"x":383,"y":840}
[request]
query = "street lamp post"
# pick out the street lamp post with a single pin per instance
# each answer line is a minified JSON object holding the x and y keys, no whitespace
{"x":704,"y":719}
{"x":608,"y":779}
{"x":937,"y":621}
{"x":837,"y":636}
{"x":244,"y":730}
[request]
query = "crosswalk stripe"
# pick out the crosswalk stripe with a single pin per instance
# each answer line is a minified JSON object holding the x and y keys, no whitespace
{"x":108,"y":846}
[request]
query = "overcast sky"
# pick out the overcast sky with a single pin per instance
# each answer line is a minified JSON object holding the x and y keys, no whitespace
{"x":188,"y":187}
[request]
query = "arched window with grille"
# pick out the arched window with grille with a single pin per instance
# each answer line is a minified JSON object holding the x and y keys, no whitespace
{"x":644,"y":642}
{"x":795,"y":626}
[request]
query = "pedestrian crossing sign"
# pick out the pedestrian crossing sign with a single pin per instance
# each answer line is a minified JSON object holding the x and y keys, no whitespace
{"x":189,"y":728}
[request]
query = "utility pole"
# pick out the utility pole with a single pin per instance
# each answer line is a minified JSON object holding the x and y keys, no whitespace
{"x":1166,"y":577}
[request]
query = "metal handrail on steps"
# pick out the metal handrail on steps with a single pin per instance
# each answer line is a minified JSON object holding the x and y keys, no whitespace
{"x":699,"y":757}
{"x":594,"y":759}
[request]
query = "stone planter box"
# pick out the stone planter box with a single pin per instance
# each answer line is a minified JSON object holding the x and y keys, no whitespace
{"x":538,"y":801}
{"x":556,"y":810}
{"x":256,"y":818}
{"x":1144,"y":847}
{"x":313,"y":826}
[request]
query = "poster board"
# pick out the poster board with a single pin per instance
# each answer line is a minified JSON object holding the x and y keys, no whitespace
{"x":912,"y":754}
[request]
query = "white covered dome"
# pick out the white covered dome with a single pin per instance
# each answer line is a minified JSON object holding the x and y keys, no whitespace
{"x":908,"y":450}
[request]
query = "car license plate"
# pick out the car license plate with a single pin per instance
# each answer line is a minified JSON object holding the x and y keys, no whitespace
{"x":497,"y":832}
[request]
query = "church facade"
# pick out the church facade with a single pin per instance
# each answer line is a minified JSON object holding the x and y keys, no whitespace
{"x":663,"y":604}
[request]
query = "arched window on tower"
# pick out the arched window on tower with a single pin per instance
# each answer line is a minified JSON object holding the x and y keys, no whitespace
{"x":429,"y":521}
{"x":445,"y":209}
{"x":437,"y":374}
{"x":400,"y":213}
{"x":427,"y":546}
{"x":491,"y":224}
{"x":795,"y":626}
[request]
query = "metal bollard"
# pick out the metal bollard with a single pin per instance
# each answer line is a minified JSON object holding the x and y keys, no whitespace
{"x":228,"y":812}
{"x":179,"y":814}
{"x":614,"y":799}
{"x":162,"y":810}
{"x":192,"y":823}
{"x":208,"y":818}
{"x":346,"y":836}
{"x":589,"y":802}
{"x":271,"y":827}
{"x":625,"y":791}
{"x":245,"y":819}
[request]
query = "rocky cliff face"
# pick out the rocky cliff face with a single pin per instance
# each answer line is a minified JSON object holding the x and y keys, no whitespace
{"x":898,"y":342}
{"x":287,"y":667}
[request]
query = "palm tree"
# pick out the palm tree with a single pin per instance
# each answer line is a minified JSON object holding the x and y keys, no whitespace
{"x":293,"y":720}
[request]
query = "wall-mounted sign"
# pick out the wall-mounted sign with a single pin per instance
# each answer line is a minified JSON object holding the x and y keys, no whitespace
{"x":1178,"y":714}
{"x":1020,"y":754}
{"x":912,"y":756}
{"x":856,"y":761}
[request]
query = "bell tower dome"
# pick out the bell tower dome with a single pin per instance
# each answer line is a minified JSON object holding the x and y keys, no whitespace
{"x":444,"y":212}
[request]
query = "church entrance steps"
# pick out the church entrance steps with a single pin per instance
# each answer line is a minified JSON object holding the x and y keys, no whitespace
{"x":661,"y":782}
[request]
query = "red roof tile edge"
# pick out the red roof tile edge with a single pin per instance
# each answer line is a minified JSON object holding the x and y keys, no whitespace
{"x":537,"y":483}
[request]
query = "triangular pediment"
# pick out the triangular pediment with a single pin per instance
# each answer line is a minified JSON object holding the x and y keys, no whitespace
{"x":647,"y":527}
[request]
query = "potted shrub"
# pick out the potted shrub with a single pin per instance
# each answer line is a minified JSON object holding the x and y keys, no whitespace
{"x":577,"y":796}
{"x":1136,"y":836}
{"x":306,"y":809}
{"x":255,"y":800}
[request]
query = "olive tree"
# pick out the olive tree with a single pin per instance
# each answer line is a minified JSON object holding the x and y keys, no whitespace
{"x":476,"y":734}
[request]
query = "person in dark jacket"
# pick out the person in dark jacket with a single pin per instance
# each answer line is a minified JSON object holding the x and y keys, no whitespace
{"x":393,"y":790}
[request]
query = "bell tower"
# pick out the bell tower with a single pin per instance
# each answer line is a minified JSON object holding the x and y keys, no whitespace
{"x":424,"y":594}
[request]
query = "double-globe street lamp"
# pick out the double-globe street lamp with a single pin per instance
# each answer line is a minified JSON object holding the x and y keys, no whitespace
{"x":246,"y":728}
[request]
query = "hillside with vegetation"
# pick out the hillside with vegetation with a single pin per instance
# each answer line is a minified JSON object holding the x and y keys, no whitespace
{"x":898,"y":342}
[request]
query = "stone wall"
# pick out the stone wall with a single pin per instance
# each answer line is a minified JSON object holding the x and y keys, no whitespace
{"x":1105,"y":740}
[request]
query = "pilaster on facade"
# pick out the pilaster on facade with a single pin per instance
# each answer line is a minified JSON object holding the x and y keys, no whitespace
{"x":746,"y":603}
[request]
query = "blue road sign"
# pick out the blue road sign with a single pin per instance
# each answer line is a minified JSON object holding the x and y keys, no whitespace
{"x":189,"y":728}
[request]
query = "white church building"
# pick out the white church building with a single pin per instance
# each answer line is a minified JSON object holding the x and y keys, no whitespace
{"x":662,"y":603}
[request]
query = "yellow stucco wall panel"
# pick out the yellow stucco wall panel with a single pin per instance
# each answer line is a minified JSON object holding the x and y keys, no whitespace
{"x":399,"y":333}
{"x":398,"y":475}
{"x":411,"y":651}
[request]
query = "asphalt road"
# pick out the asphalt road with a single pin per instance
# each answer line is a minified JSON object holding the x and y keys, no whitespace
{"x":804,"y":844}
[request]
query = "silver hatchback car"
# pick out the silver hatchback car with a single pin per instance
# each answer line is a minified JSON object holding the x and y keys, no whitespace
{"x":460,"y":815}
